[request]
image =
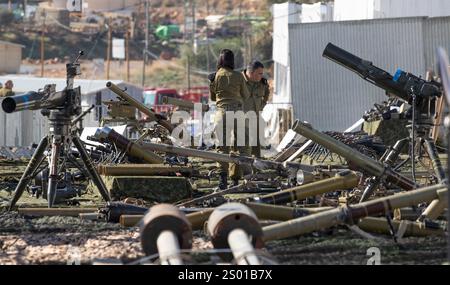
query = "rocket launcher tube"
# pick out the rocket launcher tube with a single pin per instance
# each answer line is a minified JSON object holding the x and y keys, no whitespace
{"x":369,"y":165}
{"x":138,"y":105}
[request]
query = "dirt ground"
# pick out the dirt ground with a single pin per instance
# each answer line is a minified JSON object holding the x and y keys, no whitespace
{"x":63,"y":240}
{"x":58,"y":240}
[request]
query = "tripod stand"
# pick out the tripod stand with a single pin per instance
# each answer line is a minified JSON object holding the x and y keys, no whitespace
{"x":420,"y":140}
{"x":419,"y":128}
{"x":60,"y":107}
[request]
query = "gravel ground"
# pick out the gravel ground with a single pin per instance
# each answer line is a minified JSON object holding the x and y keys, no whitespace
{"x":61,"y":240}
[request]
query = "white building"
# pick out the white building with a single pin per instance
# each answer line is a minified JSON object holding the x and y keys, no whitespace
{"x":345,"y":10}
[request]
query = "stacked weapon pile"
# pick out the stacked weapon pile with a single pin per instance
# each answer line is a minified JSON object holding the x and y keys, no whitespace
{"x":351,"y":179}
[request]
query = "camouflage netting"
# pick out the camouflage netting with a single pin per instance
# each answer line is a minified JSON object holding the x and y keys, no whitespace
{"x":161,"y":189}
{"x":389,"y":131}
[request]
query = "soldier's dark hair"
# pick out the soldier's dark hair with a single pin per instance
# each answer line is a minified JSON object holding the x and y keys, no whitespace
{"x":254,"y":65}
{"x":226,"y":59}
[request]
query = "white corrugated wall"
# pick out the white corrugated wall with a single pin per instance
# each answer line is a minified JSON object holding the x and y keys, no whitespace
{"x":345,"y":10}
{"x":332,"y":97}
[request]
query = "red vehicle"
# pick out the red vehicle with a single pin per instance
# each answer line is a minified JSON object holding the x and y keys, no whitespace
{"x":198,"y":94}
{"x":153,"y":98}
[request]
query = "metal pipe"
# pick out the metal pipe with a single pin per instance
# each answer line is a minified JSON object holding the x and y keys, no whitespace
{"x":82,"y":115}
{"x":168,"y":249}
{"x":226,"y":158}
{"x":229,"y":217}
{"x":389,"y":160}
{"x":241,"y":247}
{"x":430,"y":147}
{"x":343,"y":180}
{"x":183,"y":104}
{"x":366,"y":163}
{"x":133,"y":149}
{"x":138,"y":105}
{"x":350,"y":214}
{"x":262,"y":211}
{"x":141,"y":169}
{"x":164,"y":230}
{"x":380,"y":225}
{"x":434,"y":210}
{"x":64,"y":212}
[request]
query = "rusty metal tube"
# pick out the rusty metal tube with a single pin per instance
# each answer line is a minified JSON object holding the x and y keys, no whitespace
{"x":64,"y":212}
{"x":141,"y":169}
{"x":184,"y":104}
{"x":133,"y":149}
{"x":138,"y":105}
{"x":371,"y":166}
{"x":176,"y":231}
{"x":350,"y":214}
{"x":389,"y":160}
{"x":262,"y":211}
{"x":380,"y":225}
{"x":430,"y":147}
{"x":229,"y":217}
{"x":435,"y":209}
{"x":342,"y":180}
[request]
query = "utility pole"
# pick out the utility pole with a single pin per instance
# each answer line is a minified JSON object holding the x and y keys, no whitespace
{"x":9,"y":6}
{"x":207,"y":38}
{"x":188,"y":68}
{"x":185,"y":21}
{"x":25,"y":3}
{"x":144,"y":53}
{"x":108,"y":52}
{"x":43,"y":44}
{"x":127,"y":51}
{"x":194,"y":25}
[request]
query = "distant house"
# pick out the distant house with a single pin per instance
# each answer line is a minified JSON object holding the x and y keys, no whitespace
{"x":10,"y":57}
{"x":90,"y":6}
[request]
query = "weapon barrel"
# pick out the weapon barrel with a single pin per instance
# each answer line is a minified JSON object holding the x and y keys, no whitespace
{"x":365,"y":69}
{"x":371,"y":166}
{"x":344,"y":58}
{"x":128,"y":146}
{"x":380,"y":225}
{"x":82,"y":115}
{"x":262,"y":211}
{"x":63,"y":212}
{"x":197,"y":153}
{"x":351,"y":214}
{"x":138,"y":105}
{"x":184,"y":104}
{"x":141,"y":169}
{"x":31,"y":101}
{"x":226,"y":158}
{"x":343,"y":180}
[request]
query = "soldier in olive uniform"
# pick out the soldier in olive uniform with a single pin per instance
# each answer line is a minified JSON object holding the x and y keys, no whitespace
{"x":7,"y":89}
{"x":258,"y":88}
{"x":228,"y":90}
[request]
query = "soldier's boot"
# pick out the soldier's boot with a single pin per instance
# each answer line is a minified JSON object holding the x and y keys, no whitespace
{"x":235,"y":182}
{"x":223,"y":183}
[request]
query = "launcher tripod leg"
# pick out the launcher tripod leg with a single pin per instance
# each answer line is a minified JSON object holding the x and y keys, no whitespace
{"x":53,"y":176}
{"x":91,"y":169}
{"x":31,"y":168}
